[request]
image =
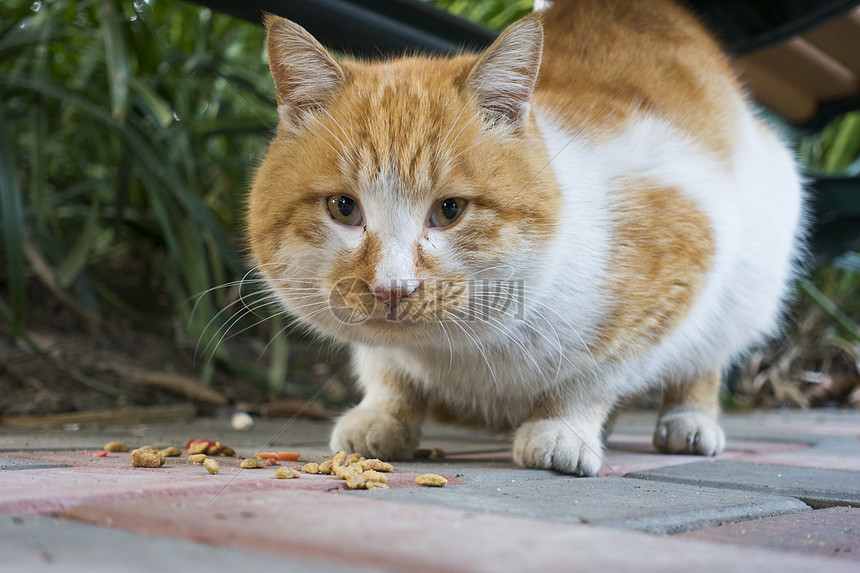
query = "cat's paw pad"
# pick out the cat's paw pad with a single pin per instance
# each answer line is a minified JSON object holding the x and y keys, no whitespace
{"x":689,"y":432}
{"x":559,"y":446}
{"x":373,"y":433}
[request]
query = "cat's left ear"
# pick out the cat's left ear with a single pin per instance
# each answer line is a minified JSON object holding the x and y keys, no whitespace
{"x":505,"y":75}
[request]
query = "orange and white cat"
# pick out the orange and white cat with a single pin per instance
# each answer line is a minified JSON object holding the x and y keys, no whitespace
{"x":519,"y":238}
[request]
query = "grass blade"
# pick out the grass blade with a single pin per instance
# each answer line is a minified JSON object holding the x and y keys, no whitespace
{"x":843,"y":320}
{"x":12,"y":217}
{"x":115,"y":57}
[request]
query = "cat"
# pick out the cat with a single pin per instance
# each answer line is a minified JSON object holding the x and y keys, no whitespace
{"x":519,"y":238}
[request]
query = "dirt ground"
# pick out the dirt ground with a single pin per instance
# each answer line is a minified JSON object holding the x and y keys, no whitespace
{"x":65,"y":364}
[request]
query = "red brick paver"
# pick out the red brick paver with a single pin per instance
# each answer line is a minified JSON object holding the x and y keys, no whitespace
{"x":832,"y":532}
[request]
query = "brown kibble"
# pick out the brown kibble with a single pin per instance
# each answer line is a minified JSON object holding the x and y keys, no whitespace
{"x":287,"y":473}
{"x":340,"y":471}
{"x":115,"y":447}
{"x":311,"y":468}
{"x":149,"y":449}
{"x":353,"y":458}
{"x":198,"y":447}
{"x":355,"y":480}
{"x":338,"y":459}
{"x":376,"y":485}
{"x":270,"y":462}
{"x":377,"y":465}
{"x":431,"y":480}
{"x":171,"y":452}
{"x":226,"y":450}
{"x":251,"y":463}
{"x":325,"y":467}
{"x":197,"y":458}
{"x":212,"y":465}
{"x":140,"y":459}
{"x":213,"y":450}
{"x":376,"y":476}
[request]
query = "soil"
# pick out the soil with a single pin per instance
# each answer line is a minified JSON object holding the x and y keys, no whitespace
{"x":64,"y":362}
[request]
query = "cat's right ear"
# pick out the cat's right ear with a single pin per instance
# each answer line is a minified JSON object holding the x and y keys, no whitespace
{"x":305,"y":74}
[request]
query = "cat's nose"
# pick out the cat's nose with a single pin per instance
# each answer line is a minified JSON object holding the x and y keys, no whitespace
{"x":391,"y":295}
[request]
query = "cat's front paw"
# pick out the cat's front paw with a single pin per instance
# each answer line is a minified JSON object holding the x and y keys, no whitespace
{"x":558,"y":445}
{"x":373,"y":433}
{"x":688,"y":432}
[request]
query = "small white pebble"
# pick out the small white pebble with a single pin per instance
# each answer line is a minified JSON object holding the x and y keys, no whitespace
{"x":242,"y":421}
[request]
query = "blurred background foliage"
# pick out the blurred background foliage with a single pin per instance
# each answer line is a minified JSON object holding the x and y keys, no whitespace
{"x":129,"y":131}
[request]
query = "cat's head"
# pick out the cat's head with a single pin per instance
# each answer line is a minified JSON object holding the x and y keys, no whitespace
{"x":403,"y":201}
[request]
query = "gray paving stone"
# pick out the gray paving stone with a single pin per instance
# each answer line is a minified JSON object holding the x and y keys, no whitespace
{"x":7,"y":464}
{"x":816,"y":487}
{"x":620,"y":503}
{"x":35,"y":543}
{"x":835,"y":446}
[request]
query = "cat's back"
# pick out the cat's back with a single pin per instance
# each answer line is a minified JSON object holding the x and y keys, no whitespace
{"x":607,"y":61}
{"x":697,"y":205}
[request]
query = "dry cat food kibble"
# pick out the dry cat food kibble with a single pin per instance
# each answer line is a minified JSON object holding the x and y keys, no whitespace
{"x":377,"y":465}
{"x":141,"y":459}
{"x":149,"y":449}
{"x":251,"y":463}
{"x":311,"y":468}
{"x":209,"y":447}
{"x":431,"y":480}
{"x":115,"y":447}
{"x":170,"y":452}
{"x":287,"y":473}
{"x":372,"y":475}
{"x":197,"y":458}
{"x":212,"y":465}
{"x":358,"y":472}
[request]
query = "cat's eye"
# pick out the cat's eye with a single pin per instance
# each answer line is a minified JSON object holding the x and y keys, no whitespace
{"x":446,"y":212}
{"x":344,"y":209}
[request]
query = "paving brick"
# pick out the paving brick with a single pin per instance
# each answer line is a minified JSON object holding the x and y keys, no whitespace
{"x":89,"y":480}
{"x":622,"y":503}
{"x":35,"y":543}
{"x":831,"y":532}
{"x":9,"y":464}
{"x":816,"y":487}
{"x":626,"y":453}
{"x":352,"y":530}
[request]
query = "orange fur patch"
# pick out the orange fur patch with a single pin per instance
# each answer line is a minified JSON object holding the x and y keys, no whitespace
{"x":661,"y":252}
{"x":607,"y":61}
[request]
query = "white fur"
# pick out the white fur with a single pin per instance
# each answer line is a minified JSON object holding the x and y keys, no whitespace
{"x":536,"y":371}
{"x":754,"y":208}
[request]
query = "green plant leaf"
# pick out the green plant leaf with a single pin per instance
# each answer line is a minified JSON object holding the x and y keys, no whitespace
{"x":12,"y":217}
{"x":159,"y":108}
{"x":115,"y":57}
{"x":842,"y":320}
{"x":78,"y":256}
